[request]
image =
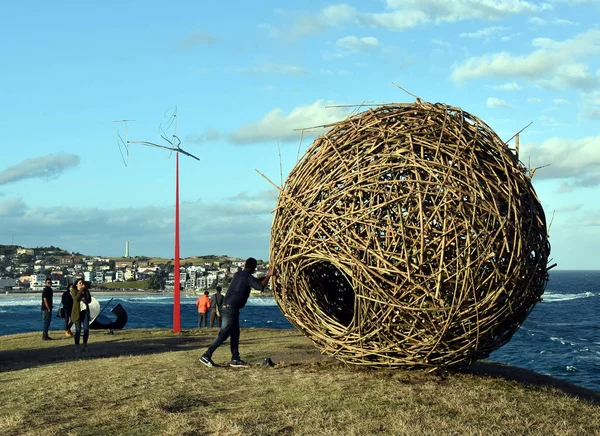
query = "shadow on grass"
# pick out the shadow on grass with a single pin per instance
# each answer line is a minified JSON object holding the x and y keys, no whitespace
{"x":63,"y":349}
{"x":103,"y":345}
{"x":529,"y":378}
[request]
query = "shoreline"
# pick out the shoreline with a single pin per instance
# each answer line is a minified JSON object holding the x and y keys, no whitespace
{"x":117,"y":293}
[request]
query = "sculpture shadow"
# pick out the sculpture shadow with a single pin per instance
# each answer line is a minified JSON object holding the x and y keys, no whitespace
{"x":63,"y":350}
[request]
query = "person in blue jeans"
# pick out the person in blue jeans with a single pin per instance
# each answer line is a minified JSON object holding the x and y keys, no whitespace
{"x":80,"y":314}
{"x":235,"y":299}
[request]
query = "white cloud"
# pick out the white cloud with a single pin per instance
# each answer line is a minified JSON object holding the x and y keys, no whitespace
{"x":440,"y":43}
{"x":575,"y":159}
{"x":534,"y":100}
{"x":269,"y":68}
{"x":537,"y":21}
{"x":12,"y":207}
{"x":330,"y":16}
{"x":203,"y":70}
{"x":400,"y":15}
{"x":564,"y":22}
{"x":338,"y":14}
{"x":591,"y":106}
{"x":509,"y":37}
{"x":44,"y":167}
{"x":395,"y":20}
{"x":356,"y":44}
{"x":511,"y":86}
{"x":494,"y":103}
{"x":458,"y":10}
{"x":209,"y":135}
{"x":547,"y":120}
{"x":591,"y":113}
{"x":271,"y":31}
{"x":237,"y":226}
{"x":551,"y":65}
{"x":560,"y":101}
{"x":279,"y":126}
{"x":569,"y":208}
{"x":576,"y":2}
{"x":195,"y":39}
{"x":484,"y":33}
{"x":571,"y":76}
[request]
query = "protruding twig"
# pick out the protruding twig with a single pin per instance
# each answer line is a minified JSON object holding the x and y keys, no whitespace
{"x":551,"y":221}
{"x":533,"y":170}
{"x":409,"y":93}
{"x":506,"y":142}
{"x":280,"y":165}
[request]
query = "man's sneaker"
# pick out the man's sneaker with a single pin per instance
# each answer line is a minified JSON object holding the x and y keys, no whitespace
{"x":238,"y":363}
{"x":207,"y":361}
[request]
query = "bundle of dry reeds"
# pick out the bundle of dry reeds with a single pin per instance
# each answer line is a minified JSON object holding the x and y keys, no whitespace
{"x":409,"y":235}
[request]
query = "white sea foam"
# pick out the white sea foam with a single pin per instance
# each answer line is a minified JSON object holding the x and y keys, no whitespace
{"x":562,"y":341}
{"x":167,"y":300}
{"x":22,"y":301}
{"x":550,"y":297}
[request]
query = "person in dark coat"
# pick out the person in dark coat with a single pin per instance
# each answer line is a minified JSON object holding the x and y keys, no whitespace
{"x":80,"y":314}
{"x":216,"y":305}
{"x":47,"y":295}
{"x":67,"y":304}
{"x":235,"y":299}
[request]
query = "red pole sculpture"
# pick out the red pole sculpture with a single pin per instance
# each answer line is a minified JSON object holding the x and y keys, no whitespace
{"x":174,"y":145}
{"x":176,"y":276}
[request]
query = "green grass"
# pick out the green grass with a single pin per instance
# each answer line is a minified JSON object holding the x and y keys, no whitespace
{"x":149,"y":382}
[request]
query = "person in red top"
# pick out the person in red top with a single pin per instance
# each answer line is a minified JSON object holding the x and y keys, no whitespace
{"x":203,"y":304}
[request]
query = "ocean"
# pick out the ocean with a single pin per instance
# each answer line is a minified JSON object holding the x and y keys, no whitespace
{"x":560,"y":338}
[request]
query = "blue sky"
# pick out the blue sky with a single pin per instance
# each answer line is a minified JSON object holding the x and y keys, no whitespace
{"x":244,"y":76}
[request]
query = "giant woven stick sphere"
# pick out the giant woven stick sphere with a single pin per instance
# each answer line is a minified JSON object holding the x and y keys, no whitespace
{"x":409,"y":235}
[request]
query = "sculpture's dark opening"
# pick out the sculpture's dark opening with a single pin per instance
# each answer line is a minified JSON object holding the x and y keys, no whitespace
{"x":331,"y":291}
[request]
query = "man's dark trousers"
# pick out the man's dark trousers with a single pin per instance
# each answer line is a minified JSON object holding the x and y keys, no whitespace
{"x":230,"y":328}
{"x":47,"y":317}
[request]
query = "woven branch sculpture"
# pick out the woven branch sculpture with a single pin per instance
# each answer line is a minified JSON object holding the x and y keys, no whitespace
{"x":409,"y":235}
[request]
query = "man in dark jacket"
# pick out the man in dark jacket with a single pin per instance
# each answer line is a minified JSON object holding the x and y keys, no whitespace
{"x":216,"y":306}
{"x":235,"y":299}
{"x":67,"y":303}
{"x":47,"y":309}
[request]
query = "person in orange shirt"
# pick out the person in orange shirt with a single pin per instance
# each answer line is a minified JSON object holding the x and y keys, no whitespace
{"x":203,"y":304}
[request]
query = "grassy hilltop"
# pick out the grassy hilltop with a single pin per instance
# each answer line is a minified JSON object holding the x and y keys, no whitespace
{"x":149,"y":382}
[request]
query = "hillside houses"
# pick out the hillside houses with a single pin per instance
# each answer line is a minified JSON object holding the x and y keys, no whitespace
{"x":25,"y":269}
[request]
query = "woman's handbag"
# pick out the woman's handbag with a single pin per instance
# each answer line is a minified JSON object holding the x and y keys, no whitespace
{"x":60,"y":312}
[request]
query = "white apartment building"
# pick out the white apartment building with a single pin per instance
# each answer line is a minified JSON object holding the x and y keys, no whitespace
{"x":88,"y":276}
{"x":120,"y":276}
{"x":129,"y":274}
{"x":206,"y":282}
{"x":99,"y":276}
{"x":37,"y":282}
